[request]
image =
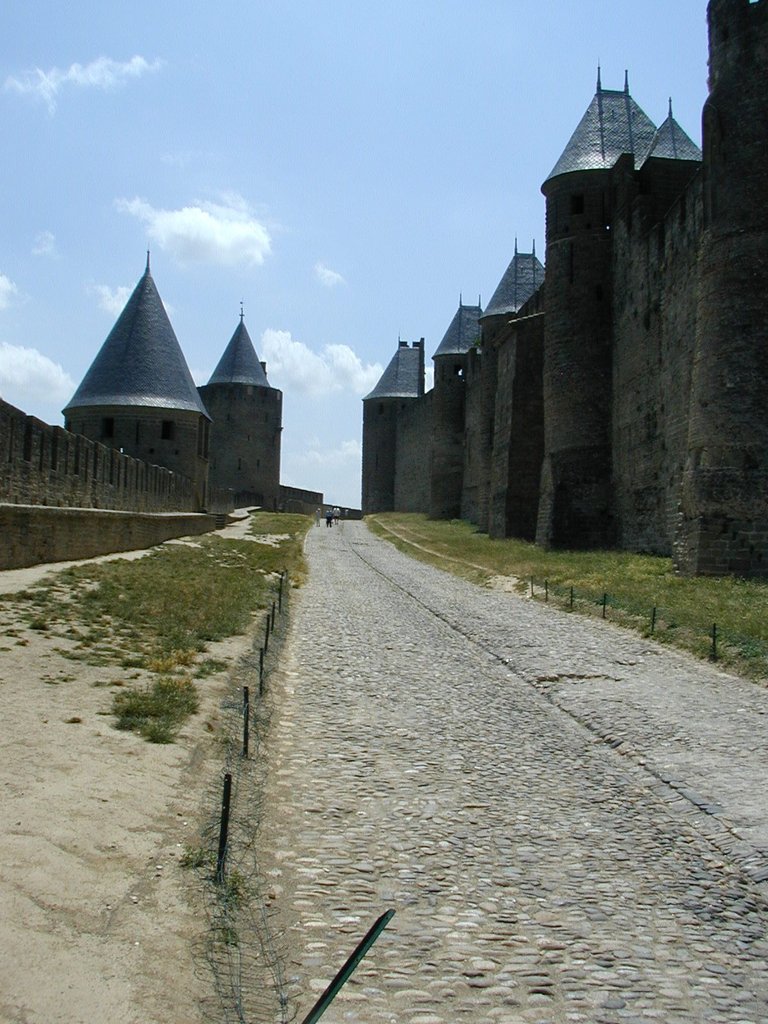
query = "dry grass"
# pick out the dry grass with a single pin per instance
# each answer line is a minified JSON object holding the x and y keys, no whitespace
{"x":158,"y":614}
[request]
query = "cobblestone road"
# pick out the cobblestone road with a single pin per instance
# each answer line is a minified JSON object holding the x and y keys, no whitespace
{"x":570,"y":822}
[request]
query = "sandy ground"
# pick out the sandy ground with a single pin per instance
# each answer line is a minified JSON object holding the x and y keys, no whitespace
{"x":97,"y":914}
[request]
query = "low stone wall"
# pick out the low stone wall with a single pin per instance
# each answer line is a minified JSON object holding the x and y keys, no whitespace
{"x":32,"y":534}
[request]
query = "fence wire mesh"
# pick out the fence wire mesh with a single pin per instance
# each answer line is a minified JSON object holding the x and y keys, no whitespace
{"x":241,"y":950}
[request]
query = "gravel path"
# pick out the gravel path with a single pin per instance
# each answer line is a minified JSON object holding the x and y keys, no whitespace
{"x":570,"y":822}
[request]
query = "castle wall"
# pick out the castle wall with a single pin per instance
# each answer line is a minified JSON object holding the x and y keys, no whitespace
{"x":34,"y":534}
{"x":654,"y":297}
{"x":447,"y":442}
{"x":480,"y":392}
{"x":45,"y":465}
{"x":518,"y":441}
{"x":245,"y":441}
{"x":575,"y":508}
{"x":639,"y":390}
{"x":176,"y":439}
{"x":379,"y":454}
{"x":723,"y":525}
{"x":414,"y":427}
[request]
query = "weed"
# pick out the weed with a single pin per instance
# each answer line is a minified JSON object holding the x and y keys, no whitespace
{"x":157,"y":711}
{"x":210,"y":667}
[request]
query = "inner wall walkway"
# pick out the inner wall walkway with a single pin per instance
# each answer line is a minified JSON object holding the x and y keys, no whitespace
{"x":570,"y":822}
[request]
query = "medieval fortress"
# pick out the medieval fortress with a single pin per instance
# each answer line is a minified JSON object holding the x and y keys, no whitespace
{"x":617,"y":399}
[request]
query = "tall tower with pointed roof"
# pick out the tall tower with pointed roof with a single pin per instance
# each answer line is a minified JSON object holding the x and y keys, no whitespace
{"x":401,"y":383}
{"x":724,"y":508}
{"x":448,"y":405}
{"x":139,"y":397}
{"x":576,"y":501}
{"x":247,"y":424}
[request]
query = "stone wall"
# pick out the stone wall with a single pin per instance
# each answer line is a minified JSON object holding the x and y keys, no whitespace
{"x":414,"y":425}
{"x":245,"y":441}
{"x":518,"y":440}
{"x":33,"y":534}
{"x":655,"y":273}
{"x":176,"y":439}
{"x":45,"y":465}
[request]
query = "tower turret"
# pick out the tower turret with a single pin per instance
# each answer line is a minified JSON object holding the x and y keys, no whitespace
{"x":139,"y":396}
{"x":403,"y":380}
{"x":576,"y":500}
{"x":724,"y":508}
{"x":448,"y":401}
{"x":247,"y":424}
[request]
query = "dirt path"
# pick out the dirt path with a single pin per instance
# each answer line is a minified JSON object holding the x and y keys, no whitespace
{"x":95,"y":919}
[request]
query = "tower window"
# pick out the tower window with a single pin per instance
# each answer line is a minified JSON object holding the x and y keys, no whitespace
{"x":108,"y":426}
{"x":577,"y":203}
{"x":166,"y":432}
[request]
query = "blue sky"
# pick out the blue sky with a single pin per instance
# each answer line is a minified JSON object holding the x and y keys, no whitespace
{"x":345,"y":168}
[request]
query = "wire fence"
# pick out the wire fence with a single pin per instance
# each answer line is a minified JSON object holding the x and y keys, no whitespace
{"x":241,"y":949}
{"x":666,"y":625}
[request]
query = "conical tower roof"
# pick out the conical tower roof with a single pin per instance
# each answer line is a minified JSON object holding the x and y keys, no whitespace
{"x":671,"y":143}
{"x":522,"y":278}
{"x":612,"y":126}
{"x":463,"y":332}
{"x":240,"y":364}
{"x":403,"y":378}
{"x":141,"y":362}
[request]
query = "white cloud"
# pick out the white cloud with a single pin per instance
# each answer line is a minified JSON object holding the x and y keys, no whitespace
{"x":327,"y":277}
{"x":27,"y":375}
{"x":45,"y":244}
{"x":226,"y":233}
{"x":292,"y":365}
{"x":7,"y":290}
{"x":112,"y":300}
{"x":103,"y":73}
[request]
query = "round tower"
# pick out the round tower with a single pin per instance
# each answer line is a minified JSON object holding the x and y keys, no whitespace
{"x":401,"y":382}
{"x":247,"y":423}
{"x":139,"y":396}
{"x":576,"y":493}
{"x":448,"y":407}
{"x":724,"y":504}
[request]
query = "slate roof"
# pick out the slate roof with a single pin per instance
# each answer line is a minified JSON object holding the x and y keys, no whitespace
{"x":141,"y":362}
{"x":240,"y":364}
{"x":463,"y":332}
{"x":402,"y":378}
{"x":671,"y":143}
{"x":521,"y":279}
{"x":612,"y":125}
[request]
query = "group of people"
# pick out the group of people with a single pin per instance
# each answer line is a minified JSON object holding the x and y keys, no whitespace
{"x":332,"y":515}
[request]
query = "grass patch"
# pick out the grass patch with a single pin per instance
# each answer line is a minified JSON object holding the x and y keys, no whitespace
{"x":209,"y":667}
{"x":686,"y":607}
{"x":157,"y":711}
{"x":158,"y":613}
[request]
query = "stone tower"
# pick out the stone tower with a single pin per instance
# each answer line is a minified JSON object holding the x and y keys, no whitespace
{"x":139,"y":397}
{"x":576,"y":499}
{"x":724,"y":508}
{"x":512,"y":413}
{"x":247,"y":423}
{"x":448,"y":400}
{"x":402,"y":381}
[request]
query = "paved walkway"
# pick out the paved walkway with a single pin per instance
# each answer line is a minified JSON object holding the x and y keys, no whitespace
{"x":570,"y":822}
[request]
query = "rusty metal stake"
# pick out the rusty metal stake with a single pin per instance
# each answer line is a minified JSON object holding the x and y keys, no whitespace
{"x":348,"y":969}
{"x":246,"y":718}
{"x":223,"y":830}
